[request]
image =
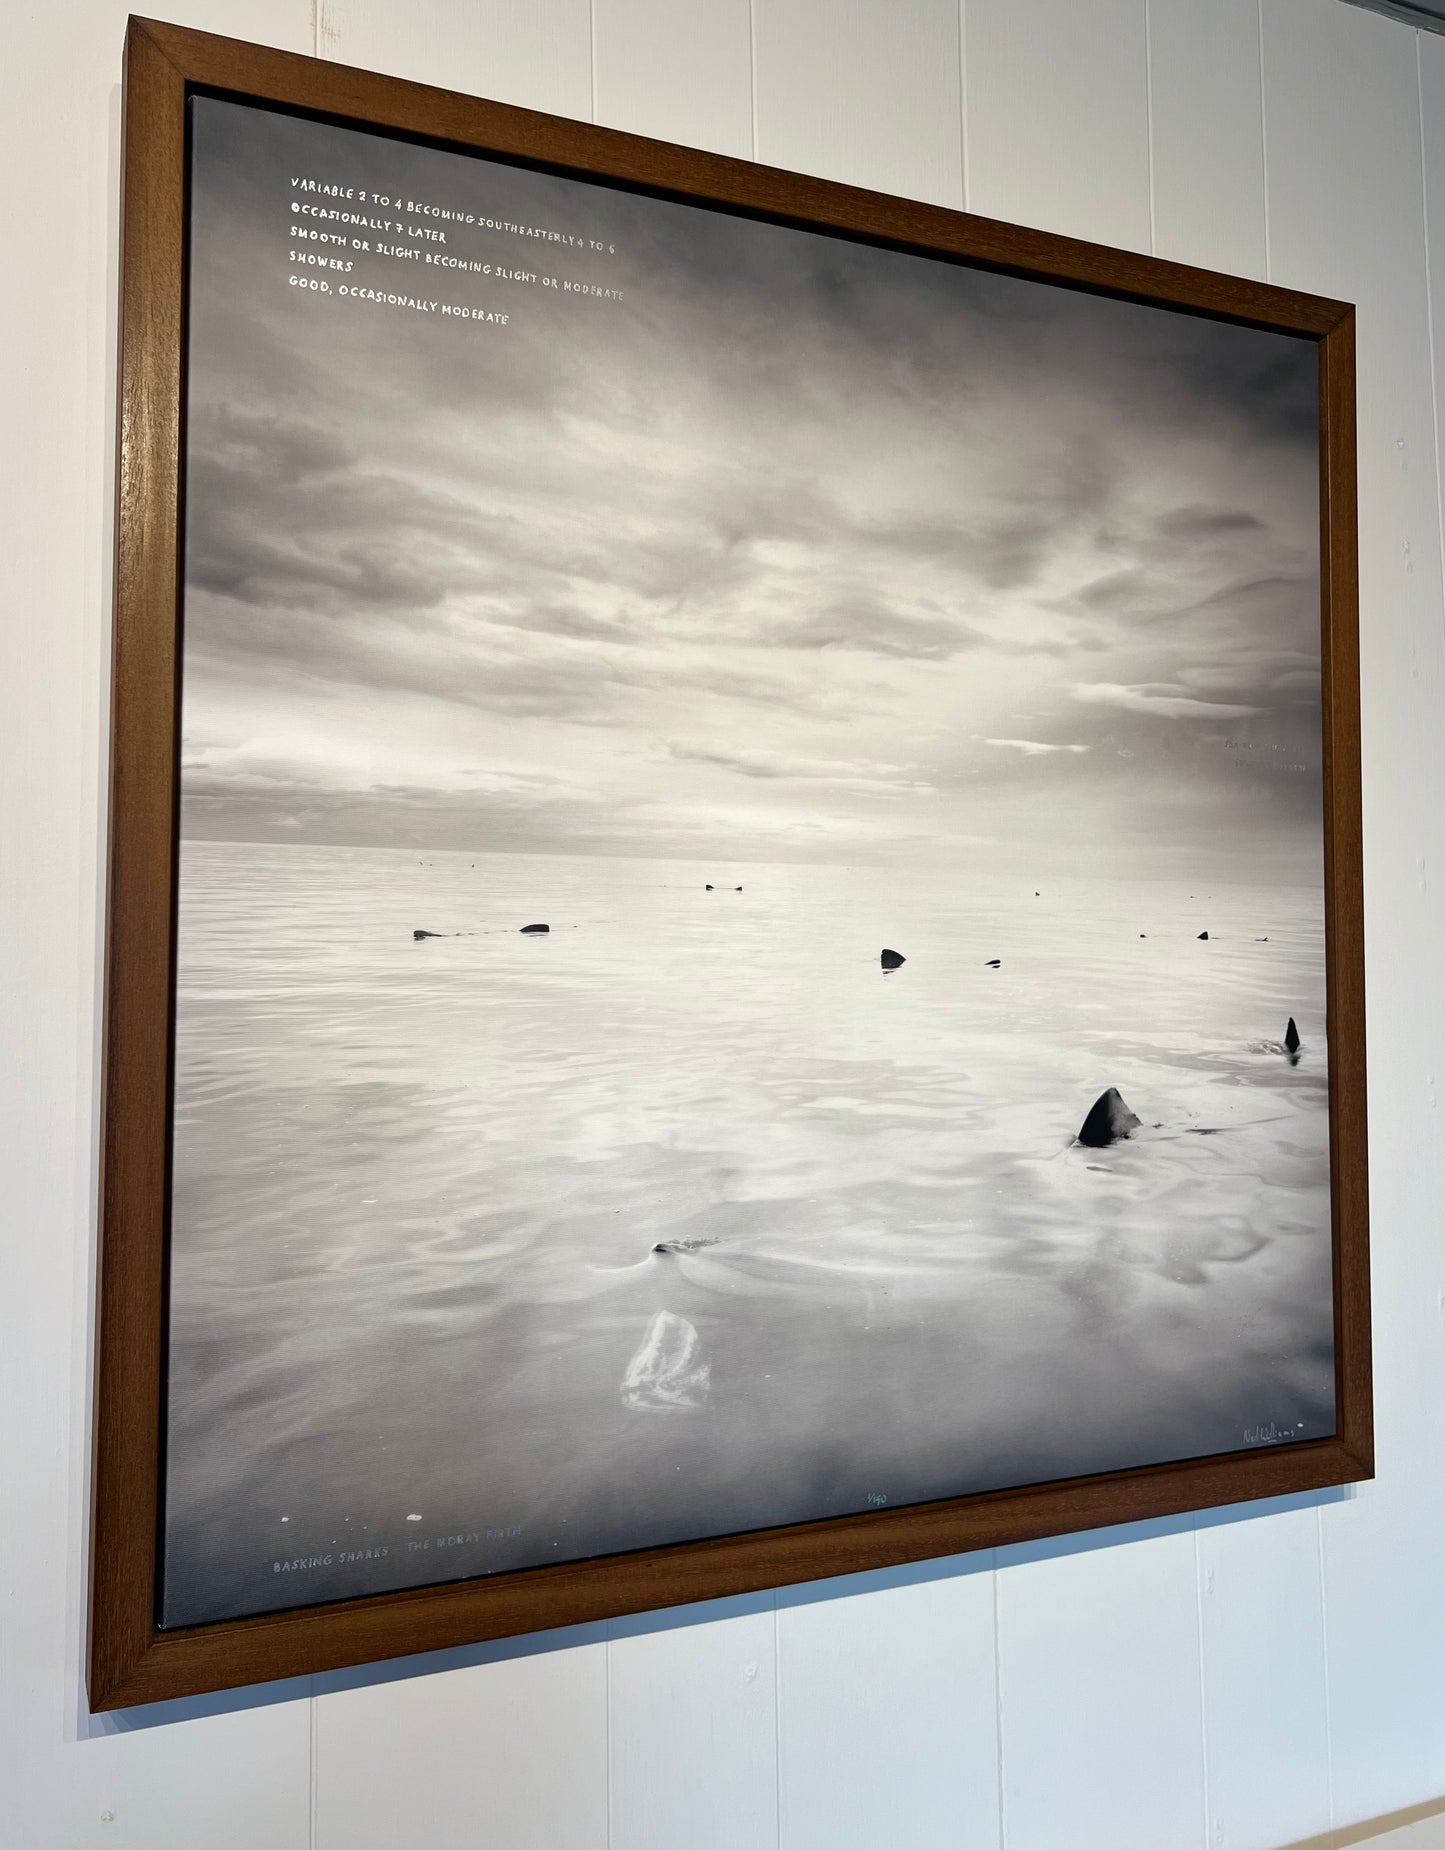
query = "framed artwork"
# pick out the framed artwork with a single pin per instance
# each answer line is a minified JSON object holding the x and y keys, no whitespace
{"x":735,"y":928}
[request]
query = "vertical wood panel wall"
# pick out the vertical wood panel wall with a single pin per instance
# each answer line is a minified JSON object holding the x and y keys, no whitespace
{"x":1232,"y":1683}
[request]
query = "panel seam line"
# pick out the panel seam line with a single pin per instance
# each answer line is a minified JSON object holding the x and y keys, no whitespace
{"x":1430,"y":302}
{"x":311,"y":1831}
{"x":607,"y":1725}
{"x":753,"y":75}
{"x":1203,"y":1702}
{"x":777,"y":1727}
{"x":963,"y":100}
{"x":1149,"y":120}
{"x":1264,"y":148}
{"x":998,"y":1708}
{"x":1325,"y":1674}
{"x":592,"y":53}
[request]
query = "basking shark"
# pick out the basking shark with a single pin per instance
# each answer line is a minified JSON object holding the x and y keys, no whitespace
{"x":666,"y":1373}
{"x":1109,"y":1119}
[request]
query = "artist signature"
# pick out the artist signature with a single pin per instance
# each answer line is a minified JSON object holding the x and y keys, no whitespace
{"x":1270,"y":1434}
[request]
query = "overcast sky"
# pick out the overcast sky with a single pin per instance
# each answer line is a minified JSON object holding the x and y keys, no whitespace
{"x":798,"y":551}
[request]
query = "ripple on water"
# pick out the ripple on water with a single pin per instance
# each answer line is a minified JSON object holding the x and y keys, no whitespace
{"x":418,"y":1188}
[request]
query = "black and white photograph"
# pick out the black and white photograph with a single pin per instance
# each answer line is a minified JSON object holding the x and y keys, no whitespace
{"x":751,"y":923}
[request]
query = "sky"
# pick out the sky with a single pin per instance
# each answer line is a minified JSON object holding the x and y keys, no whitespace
{"x":784,"y":548}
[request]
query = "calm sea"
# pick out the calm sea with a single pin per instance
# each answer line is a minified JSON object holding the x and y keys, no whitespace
{"x":419,"y":1326}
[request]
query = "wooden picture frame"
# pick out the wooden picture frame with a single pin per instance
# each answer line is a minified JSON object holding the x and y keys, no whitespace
{"x":132,"y":1660}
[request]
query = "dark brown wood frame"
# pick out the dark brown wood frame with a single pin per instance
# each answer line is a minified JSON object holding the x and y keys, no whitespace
{"x":130,"y":1660}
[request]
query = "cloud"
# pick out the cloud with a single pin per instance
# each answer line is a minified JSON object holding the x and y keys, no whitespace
{"x":1035,"y":748}
{"x":778,"y":765}
{"x":776,"y":540}
{"x":1168,"y":700}
{"x":1006,"y":542}
{"x":1206,"y":523}
{"x":869,"y":626}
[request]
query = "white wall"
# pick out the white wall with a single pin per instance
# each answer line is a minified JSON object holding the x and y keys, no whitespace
{"x":1251,"y":1680}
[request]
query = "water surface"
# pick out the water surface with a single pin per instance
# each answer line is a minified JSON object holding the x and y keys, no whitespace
{"x":420,"y":1329}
